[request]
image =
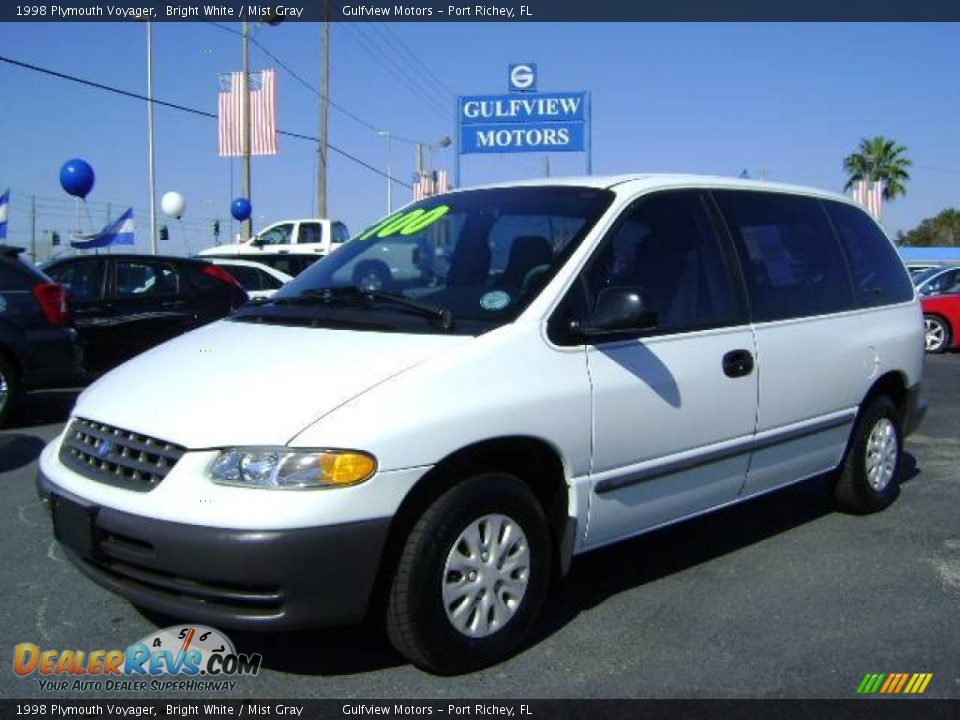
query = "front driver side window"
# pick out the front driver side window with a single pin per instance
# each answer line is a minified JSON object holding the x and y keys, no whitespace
{"x":666,"y":247}
{"x":279,"y":235}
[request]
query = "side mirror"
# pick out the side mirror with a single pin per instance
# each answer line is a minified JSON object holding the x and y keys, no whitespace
{"x":618,"y":310}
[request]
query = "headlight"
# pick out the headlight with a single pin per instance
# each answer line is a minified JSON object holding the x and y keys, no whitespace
{"x":287,"y":468}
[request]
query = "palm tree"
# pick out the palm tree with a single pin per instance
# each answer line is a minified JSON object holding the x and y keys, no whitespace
{"x":879,"y":158}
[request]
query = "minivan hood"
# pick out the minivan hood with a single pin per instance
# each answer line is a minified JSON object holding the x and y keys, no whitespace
{"x":238,"y":383}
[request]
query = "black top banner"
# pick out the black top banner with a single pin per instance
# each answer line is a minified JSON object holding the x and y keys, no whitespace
{"x":483,"y":11}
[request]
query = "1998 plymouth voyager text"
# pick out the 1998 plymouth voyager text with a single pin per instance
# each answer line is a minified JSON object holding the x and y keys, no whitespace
{"x":242,"y":12}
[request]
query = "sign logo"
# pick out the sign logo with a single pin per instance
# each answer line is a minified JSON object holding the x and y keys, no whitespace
{"x":536,"y":122}
{"x":188,"y":651}
{"x":104,"y":448}
{"x":894,"y":683}
{"x":523,"y":77}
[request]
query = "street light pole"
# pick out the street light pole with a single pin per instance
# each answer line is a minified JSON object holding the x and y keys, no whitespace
{"x":245,"y":189}
{"x":150,"y":166}
{"x":386,"y":134}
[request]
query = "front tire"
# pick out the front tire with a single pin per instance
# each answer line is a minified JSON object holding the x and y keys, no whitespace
{"x":472,"y":576}
{"x":870,"y":476}
{"x":936,"y":334}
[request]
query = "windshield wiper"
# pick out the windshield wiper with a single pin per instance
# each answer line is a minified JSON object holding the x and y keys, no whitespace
{"x":441,"y":316}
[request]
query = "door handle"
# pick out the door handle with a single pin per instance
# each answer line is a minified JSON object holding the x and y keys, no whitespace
{"x":737,"y":363}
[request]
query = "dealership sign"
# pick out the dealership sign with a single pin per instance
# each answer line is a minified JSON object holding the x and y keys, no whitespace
{"x":524,"y":120}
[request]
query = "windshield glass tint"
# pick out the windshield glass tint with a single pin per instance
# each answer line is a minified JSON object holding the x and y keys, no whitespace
{"x":482,"y":254}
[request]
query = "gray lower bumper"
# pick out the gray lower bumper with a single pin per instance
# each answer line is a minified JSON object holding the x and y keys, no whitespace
{"x":250,"y":579}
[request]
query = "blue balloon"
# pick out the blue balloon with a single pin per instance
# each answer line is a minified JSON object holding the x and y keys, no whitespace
{"x":241,"y":209}
{"x":76,"y":177}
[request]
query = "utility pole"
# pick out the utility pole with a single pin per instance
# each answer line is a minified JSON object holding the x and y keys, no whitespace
{"x":150,"y":167}
{"x":546,"y":166}
{"x":33,"y":228}
{"x":246,"y":228}
{"x":324,"y":111}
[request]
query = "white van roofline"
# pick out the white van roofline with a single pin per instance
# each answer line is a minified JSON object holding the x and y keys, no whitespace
{"x":654,"y":181}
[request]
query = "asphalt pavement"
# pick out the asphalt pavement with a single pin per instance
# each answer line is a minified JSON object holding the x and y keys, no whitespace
{"x":779,"y":597}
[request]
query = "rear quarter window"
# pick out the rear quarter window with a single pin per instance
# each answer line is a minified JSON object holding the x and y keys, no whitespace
{"x":878,"y":275}
{"x":792,"y":263}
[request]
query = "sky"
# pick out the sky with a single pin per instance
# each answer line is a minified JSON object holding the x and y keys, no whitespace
{"x":785,"y":100}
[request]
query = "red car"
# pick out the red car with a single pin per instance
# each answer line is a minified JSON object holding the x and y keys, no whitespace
{"x":941,"y":320}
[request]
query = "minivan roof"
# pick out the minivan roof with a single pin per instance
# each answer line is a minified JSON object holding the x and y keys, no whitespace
{"x":651,"y":181}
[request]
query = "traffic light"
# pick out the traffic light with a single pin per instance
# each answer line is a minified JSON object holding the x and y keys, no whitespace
{"x":55,"y":238}
{"x":164,"y":233}
{"x":216,"y":228}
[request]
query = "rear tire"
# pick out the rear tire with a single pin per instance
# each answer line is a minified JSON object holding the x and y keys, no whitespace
{"x":936,"y":334}
{"x":9,"y":391}
{"x":869,"y":478}
{"x":472,"y":576}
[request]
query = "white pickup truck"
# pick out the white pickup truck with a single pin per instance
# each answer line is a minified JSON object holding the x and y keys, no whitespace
{"x":289,"y":246}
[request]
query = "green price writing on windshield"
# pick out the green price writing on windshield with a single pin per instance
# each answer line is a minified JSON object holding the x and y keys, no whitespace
{"x":406,"y":223}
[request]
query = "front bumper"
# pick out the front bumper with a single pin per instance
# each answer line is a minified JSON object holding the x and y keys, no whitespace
{"x":248,"y":579}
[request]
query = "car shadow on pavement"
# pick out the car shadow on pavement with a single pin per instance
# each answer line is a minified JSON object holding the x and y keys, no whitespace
{"x":18,"y":450}
{"x":593,"y":578}
{"x":605,"y":573}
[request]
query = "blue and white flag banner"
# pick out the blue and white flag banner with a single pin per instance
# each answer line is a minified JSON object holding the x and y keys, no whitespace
{"x":119,"y":232}
{"x":4,"y":208}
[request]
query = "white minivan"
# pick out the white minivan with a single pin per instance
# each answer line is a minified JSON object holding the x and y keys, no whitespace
{"x":574,"y":362}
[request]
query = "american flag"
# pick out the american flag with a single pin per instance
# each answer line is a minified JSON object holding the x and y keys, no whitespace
{"x":430,"y":184}
{"x":869,"y":195}
{"x":263,"y":113}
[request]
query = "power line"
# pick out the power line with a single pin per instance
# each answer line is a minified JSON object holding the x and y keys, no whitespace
{"x":423,"y":68}
{"x":374,"y":51}
{"x":378,"y":41}
{"x":296,"y":76}
{"x":193,"y":111}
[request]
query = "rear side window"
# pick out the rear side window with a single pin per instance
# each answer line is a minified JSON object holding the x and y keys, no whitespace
{"x":268,"y":281}
{"x":879,"y":277}
{"x":248,"y":277}
{"x":311,"y":233}
{"x":340,"y":233}
{"x":84,"y":278}
{"x":792,"y":263}
{"x":945,"y":283}
{"x":137,"y":278}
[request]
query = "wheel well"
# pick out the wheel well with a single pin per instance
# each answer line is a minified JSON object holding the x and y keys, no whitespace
{"x":532,"y":460}
{"x":939,"y":316}
{"x":11,"y":360}
{"x":892,"y":385}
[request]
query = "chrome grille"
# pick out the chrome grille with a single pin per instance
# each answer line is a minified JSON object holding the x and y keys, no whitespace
{"x":117,"y":457}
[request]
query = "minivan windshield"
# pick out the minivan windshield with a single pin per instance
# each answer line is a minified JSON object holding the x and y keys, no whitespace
{"x":463,"y":262}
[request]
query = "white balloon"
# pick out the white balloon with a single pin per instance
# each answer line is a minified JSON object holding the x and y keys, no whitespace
{"x":173,"y":204}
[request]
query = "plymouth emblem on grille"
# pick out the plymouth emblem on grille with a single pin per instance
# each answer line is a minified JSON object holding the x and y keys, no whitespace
{"x":104,"y":449}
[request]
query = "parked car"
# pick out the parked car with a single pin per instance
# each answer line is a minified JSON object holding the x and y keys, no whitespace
{"x":941,"y":322}
{"x":290,"y":246}
{"x":125,"y":304}
{"x":259,"y":280}
{"x":601,"y":357}
{"x":38,"y":348}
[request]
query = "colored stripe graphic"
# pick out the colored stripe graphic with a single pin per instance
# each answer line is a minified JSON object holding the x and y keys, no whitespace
{"x":894,"y":683}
